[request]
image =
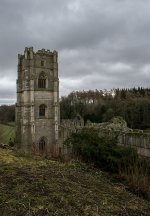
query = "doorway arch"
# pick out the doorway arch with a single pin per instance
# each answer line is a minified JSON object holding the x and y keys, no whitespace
{"x":42,"y":145}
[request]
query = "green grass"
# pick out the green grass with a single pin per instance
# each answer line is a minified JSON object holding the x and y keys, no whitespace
{"x":33,"y":186}
{"x":7,"y":132}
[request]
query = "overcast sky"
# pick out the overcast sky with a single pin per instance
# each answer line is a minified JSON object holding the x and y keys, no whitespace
{"x":102,"y":44}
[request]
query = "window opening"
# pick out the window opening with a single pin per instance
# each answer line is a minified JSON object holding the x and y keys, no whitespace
{"x":42,"y":63}
{"x":42,"y":81}
{"x":42,"y":109}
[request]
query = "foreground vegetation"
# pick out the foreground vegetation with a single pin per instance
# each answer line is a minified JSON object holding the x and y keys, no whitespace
{"x":104,"y":153}
{"x":33,"y":186}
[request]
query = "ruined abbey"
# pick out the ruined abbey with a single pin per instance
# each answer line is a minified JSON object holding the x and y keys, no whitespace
{"x":38,"y":128}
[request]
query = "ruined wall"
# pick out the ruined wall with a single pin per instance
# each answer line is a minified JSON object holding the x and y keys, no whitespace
{"x":116,"y":127}
{"x":66,"y":128}
{"x":138,"y":140}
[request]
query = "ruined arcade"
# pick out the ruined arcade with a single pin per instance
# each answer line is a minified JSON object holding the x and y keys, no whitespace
{"x":37,"y":107}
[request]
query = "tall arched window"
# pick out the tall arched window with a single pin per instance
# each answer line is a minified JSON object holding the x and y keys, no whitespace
{"x":42,"y":110}
{"x":42,"y":80}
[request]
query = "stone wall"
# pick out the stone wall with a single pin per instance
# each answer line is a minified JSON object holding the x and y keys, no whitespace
{"x":115,"y":127}
{"x":139,"y":141}
{"x":66,"y":129}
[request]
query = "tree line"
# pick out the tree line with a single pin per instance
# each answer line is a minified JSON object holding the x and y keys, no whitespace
{"x":7,"y":113}
{"x":100,"y":106}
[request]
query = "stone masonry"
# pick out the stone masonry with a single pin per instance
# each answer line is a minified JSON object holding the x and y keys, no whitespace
{"x":37,"y":107}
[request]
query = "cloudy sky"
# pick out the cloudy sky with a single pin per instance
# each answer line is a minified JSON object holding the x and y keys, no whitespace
{"x":102,"y":44}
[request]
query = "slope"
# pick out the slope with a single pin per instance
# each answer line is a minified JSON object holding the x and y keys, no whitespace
{"x":36,"y":186}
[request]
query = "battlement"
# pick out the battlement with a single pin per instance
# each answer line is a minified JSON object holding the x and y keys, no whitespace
{"x":29,"y":53}
{"x":46,"y":52}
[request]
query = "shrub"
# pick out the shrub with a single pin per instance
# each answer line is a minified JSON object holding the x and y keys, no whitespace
{"x":104,"y":152}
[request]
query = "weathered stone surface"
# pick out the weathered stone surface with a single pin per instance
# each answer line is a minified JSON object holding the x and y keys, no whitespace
{"x":115,"y":124}
{"x":33,"y":130}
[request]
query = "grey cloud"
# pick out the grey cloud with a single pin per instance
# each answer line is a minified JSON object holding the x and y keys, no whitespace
{"x":7,"y":93}
{"x":92,"y":38}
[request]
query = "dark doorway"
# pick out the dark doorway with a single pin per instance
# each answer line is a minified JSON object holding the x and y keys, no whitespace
{"x":42,"y":145}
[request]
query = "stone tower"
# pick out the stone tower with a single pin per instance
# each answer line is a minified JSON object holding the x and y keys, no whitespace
{"x":37,"y":107}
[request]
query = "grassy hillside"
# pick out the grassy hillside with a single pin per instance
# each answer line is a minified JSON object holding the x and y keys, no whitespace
{"x":7,"y":132}
{"x":32,"y":186}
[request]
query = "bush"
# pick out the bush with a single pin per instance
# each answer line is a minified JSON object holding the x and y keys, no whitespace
{"x":101,"y":151}
{"x":104,"y":153}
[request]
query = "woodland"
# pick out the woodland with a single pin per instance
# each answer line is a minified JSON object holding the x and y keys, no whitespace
{"x":100,"y":106}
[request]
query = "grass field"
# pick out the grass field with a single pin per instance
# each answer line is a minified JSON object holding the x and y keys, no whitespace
{"x":33,"y":186}
{"x":7,"y":132}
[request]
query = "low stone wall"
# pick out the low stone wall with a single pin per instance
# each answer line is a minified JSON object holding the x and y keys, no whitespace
{"x":140,"y":141}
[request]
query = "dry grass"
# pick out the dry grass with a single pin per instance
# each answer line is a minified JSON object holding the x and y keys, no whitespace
{"x":33,"y":186}
{"x":136,"y":175}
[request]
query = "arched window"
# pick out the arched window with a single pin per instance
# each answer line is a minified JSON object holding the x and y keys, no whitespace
{"x":42,"y":110}
{"x":42,"y":80}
